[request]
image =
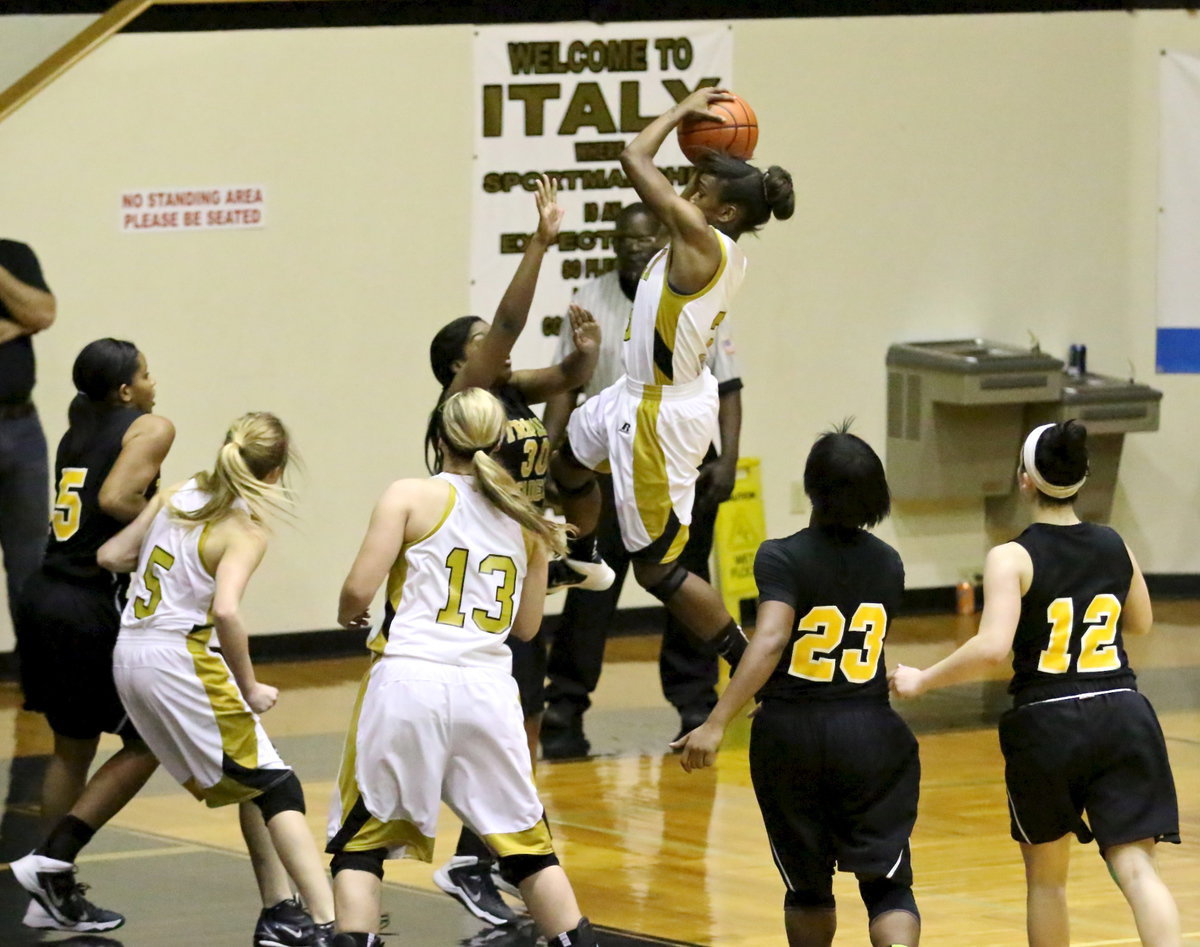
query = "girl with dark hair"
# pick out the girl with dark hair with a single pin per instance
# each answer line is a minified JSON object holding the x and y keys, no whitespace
{"x":1079,"y":738}
{"x":471,"y":353}
{"x":834,"y":768}
{"x":654,"y":426}
{"x":463,"y":555}
{"x":106,"y":470}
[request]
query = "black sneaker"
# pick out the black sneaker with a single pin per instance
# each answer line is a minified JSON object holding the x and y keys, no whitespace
{"x":322,"y":935}
{"x":347,"y":940}
{"x":469,"y":881}
{"x":581,"y":936}
{"x":285,"y":924}
{"x":562,"y":732}
{"x":58,"y":901}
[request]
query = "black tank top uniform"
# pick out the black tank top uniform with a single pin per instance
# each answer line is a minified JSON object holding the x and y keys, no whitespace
{"x":1080,"y":740}
{"x":68,"y":616}
{"x":1068,"y":639}
{"x":79,"y":527}
{"x":525,"y":450}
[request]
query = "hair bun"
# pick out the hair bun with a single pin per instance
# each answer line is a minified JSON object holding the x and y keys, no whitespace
{"x":777,"y":188}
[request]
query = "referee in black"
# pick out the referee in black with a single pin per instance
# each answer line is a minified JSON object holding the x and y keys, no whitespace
{"x":1080,"y":740}
{"x":835,"y":769}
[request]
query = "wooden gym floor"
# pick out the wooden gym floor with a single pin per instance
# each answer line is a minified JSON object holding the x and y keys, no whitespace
{"x":656,"y":855}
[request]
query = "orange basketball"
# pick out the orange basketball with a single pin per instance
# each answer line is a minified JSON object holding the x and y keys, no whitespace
{"x":736,"y":136}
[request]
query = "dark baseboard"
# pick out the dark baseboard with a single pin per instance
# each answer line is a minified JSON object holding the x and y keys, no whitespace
{"x":643,"y":620}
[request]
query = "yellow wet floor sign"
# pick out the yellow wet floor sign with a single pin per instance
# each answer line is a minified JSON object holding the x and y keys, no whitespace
{"x":740,"y":530}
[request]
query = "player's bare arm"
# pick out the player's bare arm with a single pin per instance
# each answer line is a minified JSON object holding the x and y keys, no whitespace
{"x":533,"y":594}
{"x":574,"y":371}
{"x":1007,"y":573}
{"x":1137,"y":617}
{"x":486,"y":360}
{"x":143,"y":449}
{"x":695,"y":251}
{"x":120,"y":552}
{"x":241,"y":545}
{"x":773,"y":632}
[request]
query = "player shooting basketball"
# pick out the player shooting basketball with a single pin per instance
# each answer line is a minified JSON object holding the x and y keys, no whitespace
{"x":654,"y":425}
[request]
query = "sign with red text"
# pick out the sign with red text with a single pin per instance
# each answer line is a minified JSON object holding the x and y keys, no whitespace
{"x":565,"y":99}
{"x":237,"y":207}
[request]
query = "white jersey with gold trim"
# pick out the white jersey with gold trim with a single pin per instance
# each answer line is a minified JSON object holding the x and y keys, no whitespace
{"x":171,"y":590}
{"x":670,"y":335}
{"x":453,"y":593}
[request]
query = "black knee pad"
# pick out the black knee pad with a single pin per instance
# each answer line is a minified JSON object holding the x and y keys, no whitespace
{"x":369,"y":861}
{"x":810,"y":899}
{"x":665,"y":587}
{"x":881,"y":895}
{"x":287,"y":795}
{"x":516,"y":868}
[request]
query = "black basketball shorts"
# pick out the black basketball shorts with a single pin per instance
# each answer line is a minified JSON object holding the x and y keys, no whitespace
{"x":529,"y":668}
{"x":65,"y":635}
{"x":838,"y":787}
{"x":1103,"y":756}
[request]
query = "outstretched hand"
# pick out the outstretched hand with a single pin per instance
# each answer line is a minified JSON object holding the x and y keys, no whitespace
{"x":698,"y":748}
{"x":698,"y":104}
{"x":585,"y":330}
{"x":550,"y":214}
{"x":906,"y":682}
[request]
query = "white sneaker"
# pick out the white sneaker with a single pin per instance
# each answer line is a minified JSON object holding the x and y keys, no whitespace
{"x":58,"y":901}
{"x":591,"y":576}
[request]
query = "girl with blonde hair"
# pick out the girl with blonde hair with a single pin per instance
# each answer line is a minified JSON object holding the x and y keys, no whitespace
{"x":464,"y":556}
{"x":192,"y":553}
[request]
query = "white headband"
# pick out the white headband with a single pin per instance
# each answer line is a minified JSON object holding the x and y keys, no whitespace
{"x":1027,"y":458}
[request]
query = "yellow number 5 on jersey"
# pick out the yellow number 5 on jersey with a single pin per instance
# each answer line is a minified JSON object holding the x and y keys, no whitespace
{"x":67,"y":506}
{"x":163,"y":560}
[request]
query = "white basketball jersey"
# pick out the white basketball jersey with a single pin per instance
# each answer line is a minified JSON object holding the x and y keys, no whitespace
{"x":669,"y":334}
{"x":453,"y":593}
{"x":171,"y":590}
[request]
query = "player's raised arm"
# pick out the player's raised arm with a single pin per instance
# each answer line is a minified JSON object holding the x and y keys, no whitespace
{"x":695,"y":250}
{"x":486,"y":360}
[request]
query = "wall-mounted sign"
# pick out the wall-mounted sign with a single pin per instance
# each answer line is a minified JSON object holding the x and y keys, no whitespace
{"x":240,"y":207}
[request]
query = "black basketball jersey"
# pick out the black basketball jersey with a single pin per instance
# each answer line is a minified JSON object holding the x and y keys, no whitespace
{"x":845,"y":586}
{"x":1068,"y":639}
{"x":78,"y":527}
{"x":525,"y":450}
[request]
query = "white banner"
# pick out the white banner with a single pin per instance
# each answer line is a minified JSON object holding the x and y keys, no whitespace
{"x":1178,"y":339}
{"x":565,"y":99}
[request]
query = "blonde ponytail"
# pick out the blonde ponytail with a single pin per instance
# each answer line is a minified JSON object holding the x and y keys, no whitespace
{"x":471,"y":425}
{"x":256,"y":444}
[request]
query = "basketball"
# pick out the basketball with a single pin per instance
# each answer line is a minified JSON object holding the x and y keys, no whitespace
{"x":736,"y":136}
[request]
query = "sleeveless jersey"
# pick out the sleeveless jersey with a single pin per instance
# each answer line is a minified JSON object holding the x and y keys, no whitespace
{"x":845,"y":586}
{"x":1068,"y":638}
{"x":78,"y":526}
{"x":669,"y":335}
{"x":452,"y":594}
{"x":171,"y":589}
{"x":525,"y":450}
